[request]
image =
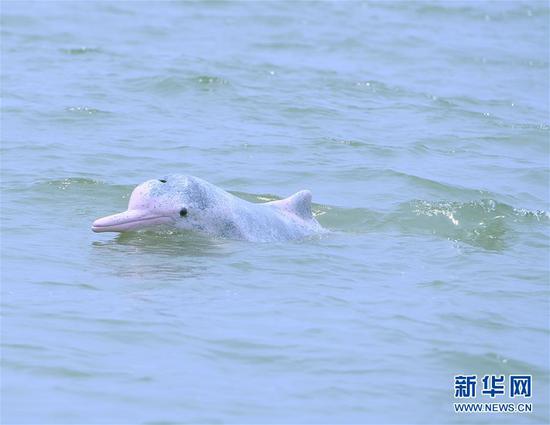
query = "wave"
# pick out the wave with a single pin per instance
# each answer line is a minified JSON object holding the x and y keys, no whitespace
{"x":171,"y":84}
{"x":483,"y":223}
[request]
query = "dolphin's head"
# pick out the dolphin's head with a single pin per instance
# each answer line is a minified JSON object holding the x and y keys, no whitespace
{"x":175,"y":200}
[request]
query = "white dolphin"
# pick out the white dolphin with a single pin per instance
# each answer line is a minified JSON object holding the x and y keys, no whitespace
{"x":187,"y":202}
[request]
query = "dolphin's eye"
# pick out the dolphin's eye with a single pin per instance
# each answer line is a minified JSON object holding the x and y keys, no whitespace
{"x":162,"y":180}
{"x":183,"y":212}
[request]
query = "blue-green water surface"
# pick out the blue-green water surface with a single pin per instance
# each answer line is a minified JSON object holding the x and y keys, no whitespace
{"x":422,"y":130}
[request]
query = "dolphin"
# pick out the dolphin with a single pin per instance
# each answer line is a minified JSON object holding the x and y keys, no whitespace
{"x":188,"y":202}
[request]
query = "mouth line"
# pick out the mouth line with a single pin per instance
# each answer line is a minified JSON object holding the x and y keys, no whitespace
{"x":145,"y":220}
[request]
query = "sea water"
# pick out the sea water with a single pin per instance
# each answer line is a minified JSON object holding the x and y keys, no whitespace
{"x":422,"y":130}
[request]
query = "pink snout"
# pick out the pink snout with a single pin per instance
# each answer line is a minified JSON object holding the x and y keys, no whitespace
{"x":128,"y":220}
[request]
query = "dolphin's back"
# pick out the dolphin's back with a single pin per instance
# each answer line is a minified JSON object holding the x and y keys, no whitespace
{"x":232,"y":217}
{"x":286,"y":219}
{"x":298,"y":204}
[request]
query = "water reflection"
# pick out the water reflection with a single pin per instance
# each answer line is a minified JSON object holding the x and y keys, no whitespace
{"x":163,"y":254}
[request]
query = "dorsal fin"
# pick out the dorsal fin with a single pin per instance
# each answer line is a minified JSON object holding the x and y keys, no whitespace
{"x":299,"y":204}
